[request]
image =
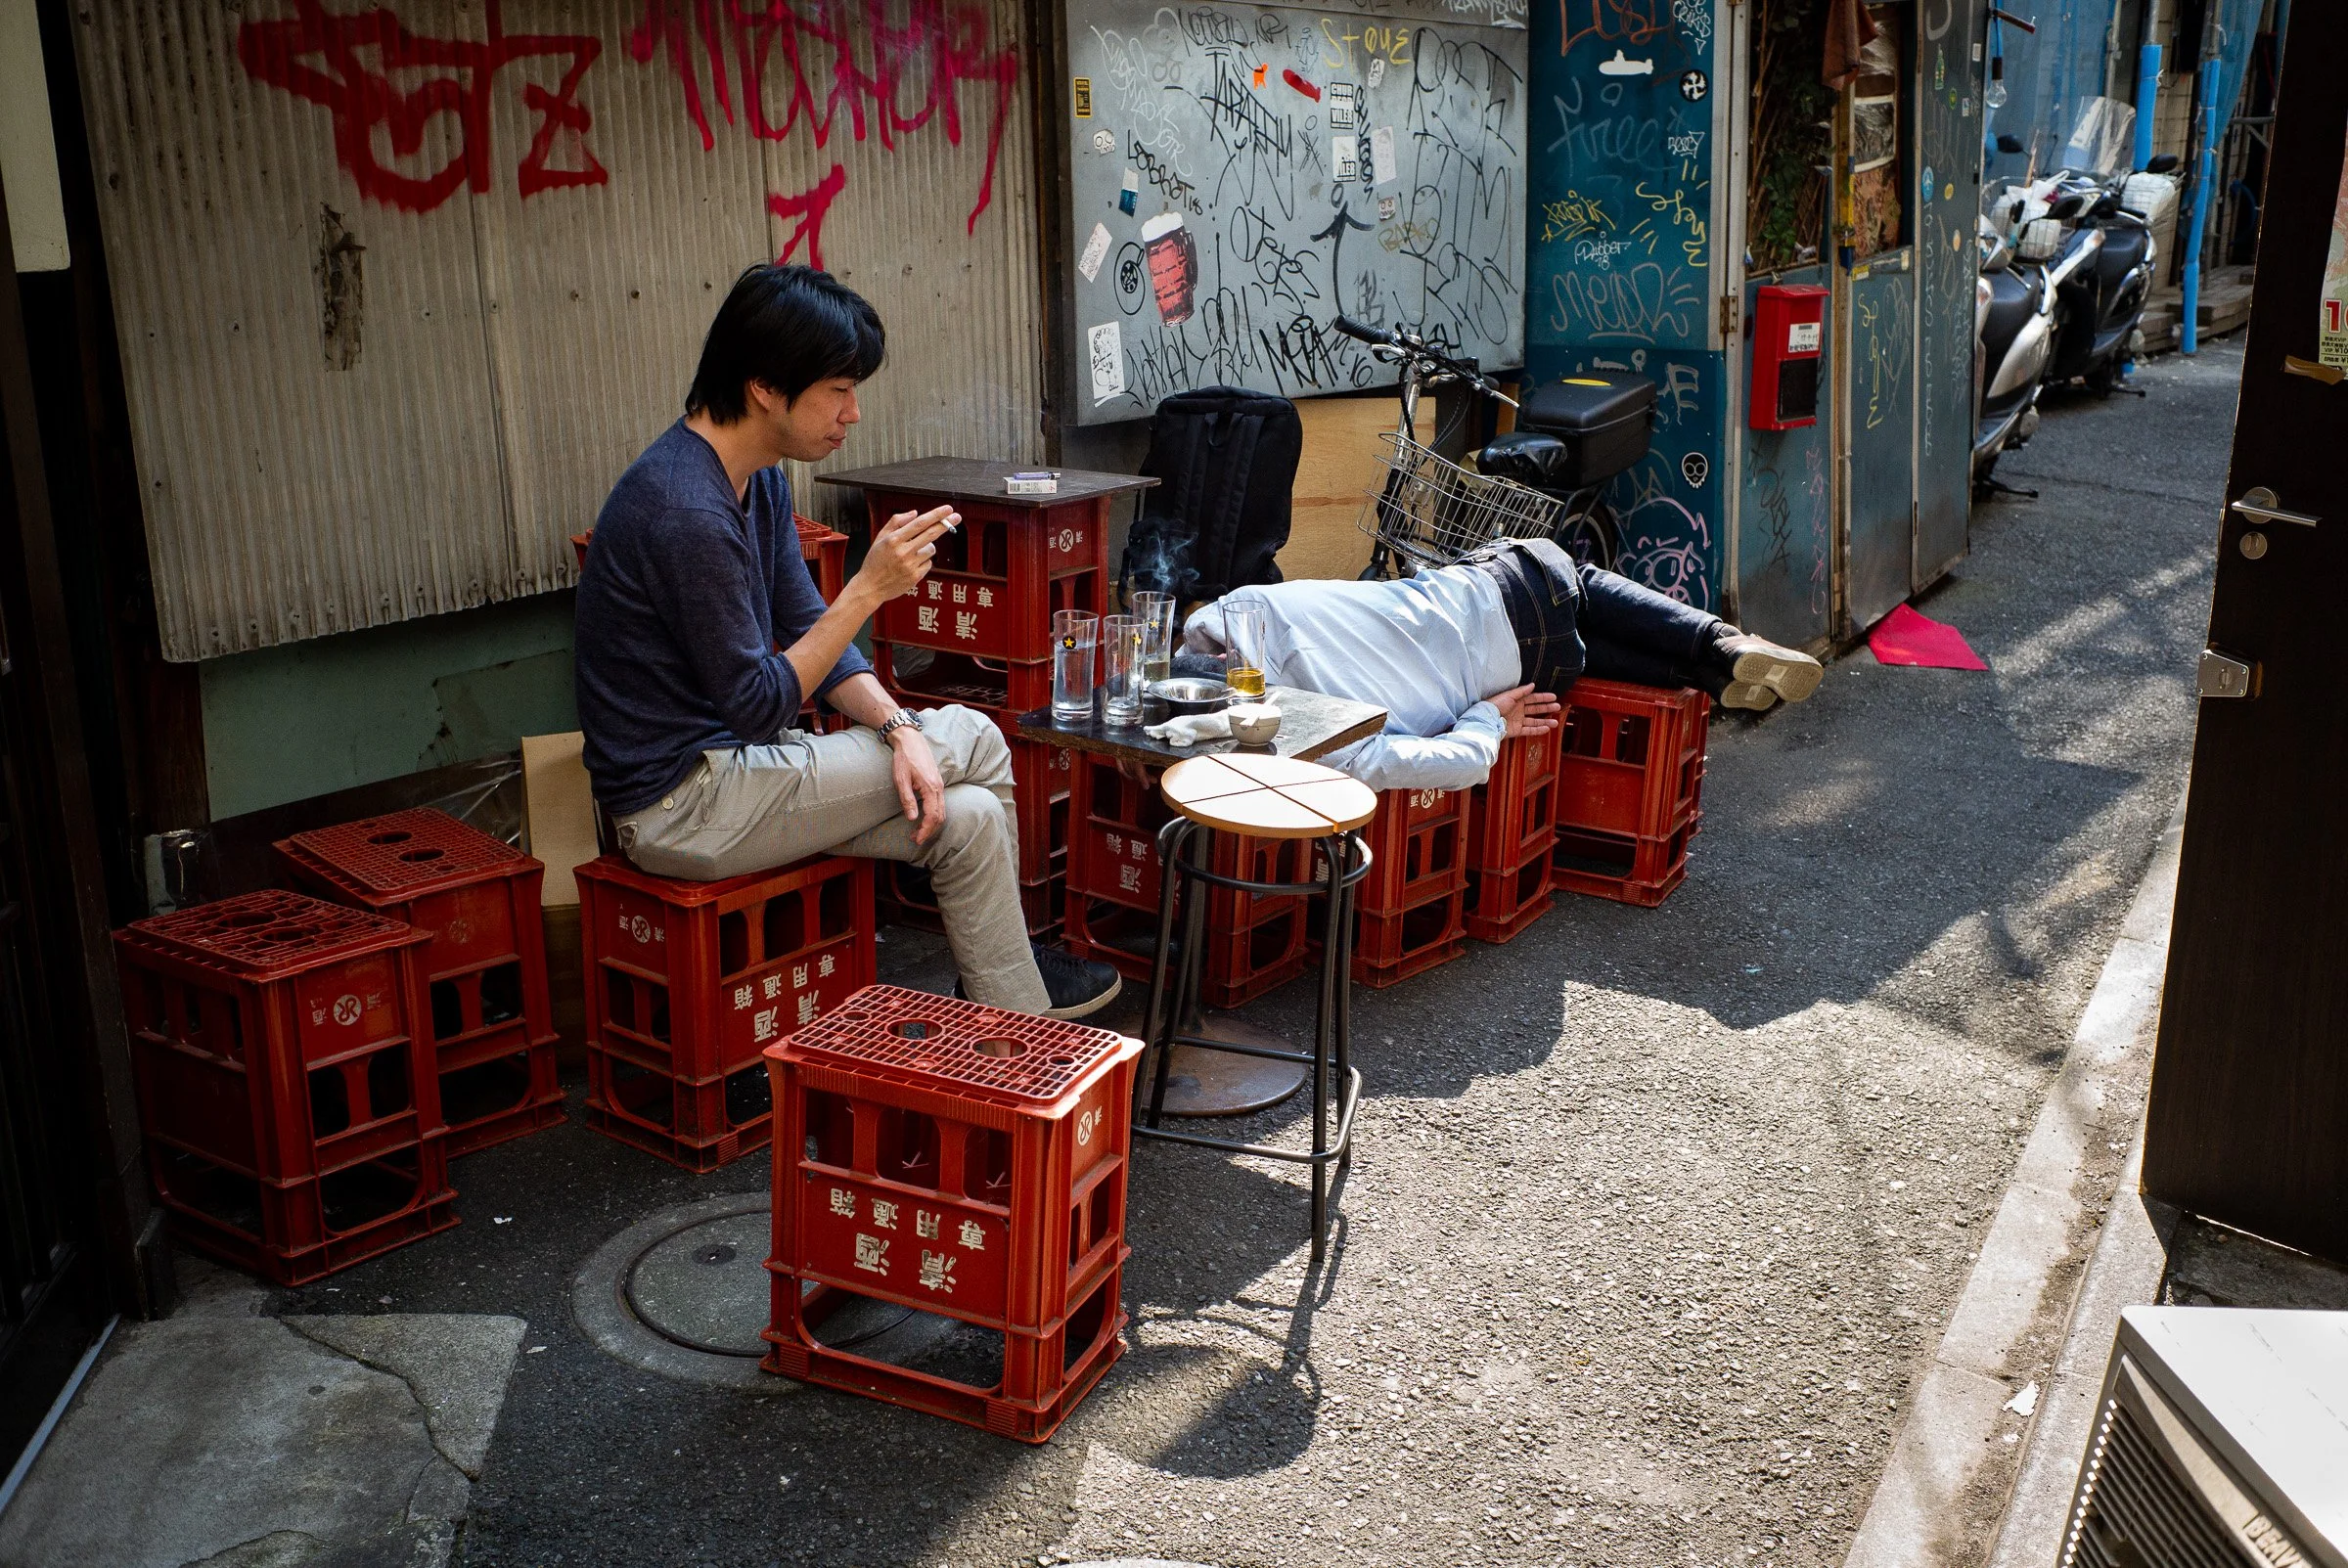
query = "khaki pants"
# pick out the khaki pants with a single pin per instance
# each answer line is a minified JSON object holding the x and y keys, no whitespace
{"x":750,"y":808}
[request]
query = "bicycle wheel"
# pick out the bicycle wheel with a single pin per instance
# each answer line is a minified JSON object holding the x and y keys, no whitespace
{"x":1587,"y":534}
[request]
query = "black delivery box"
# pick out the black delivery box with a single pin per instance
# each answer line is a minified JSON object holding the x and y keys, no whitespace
{"x":1602,"y":419}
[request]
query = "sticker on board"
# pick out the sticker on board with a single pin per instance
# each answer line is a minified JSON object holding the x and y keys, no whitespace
{"x":1106,"y":348}
{"x":1345,"y":158}
{"x":1084,"y":97}
{"x":1105,"y":141}
{"x":1095,"y":251}
{"x":1344,"y":106}
{"x":1377,"y":72}
{"x":1693,"y":84}
{"x":1622,"y":66}
{"x":1695,"y":469}
{"x":1381,"y":156}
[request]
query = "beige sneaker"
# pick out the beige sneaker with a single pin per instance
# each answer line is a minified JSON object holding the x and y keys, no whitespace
{"x":1751,"y":696}
{"x":1757,"y":661}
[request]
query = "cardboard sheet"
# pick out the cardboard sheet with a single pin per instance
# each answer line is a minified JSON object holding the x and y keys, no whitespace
{"x":559,"y":812}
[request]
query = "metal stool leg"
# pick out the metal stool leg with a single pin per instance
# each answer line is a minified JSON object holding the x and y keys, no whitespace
{"x":1333,"y":984}
{"x":1164,"y":1022}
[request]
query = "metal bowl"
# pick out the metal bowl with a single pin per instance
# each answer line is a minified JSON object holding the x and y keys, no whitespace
{"x":1191,"y":694}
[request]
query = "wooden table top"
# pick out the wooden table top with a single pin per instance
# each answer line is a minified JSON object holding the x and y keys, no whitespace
{"x":1265,"y":797}
{"x":1312,"y":725}
{"x":975,"y":479}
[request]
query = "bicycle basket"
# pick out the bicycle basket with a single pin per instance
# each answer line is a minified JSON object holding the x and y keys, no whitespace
{"x":1432,"y":512}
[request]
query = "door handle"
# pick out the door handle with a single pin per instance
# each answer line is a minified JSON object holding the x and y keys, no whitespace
{"x":2258,"y":505}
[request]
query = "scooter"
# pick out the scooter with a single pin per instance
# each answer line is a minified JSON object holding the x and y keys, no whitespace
{"x":2100,"y":300}
{"x":2013,"y":337}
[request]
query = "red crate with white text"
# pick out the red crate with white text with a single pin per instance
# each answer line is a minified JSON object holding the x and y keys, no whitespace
{"x":1256,"y":942}
{"x":485,"y":968}
{"x":286,"y":1089}
{"x":1389,"y":946}
{"x":688,"y":983}
{"x":963,"y":1161}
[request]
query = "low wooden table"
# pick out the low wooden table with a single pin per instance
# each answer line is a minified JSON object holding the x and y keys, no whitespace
{"x":1208,"y":1083}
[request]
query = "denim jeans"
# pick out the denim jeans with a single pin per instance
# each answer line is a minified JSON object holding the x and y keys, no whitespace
{"x":1572,"y":620}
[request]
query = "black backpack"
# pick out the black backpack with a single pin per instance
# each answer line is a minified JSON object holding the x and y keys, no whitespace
{"x":1225,"y":460}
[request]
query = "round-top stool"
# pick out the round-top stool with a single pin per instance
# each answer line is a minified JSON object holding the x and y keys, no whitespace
{"x":1261,"y":797}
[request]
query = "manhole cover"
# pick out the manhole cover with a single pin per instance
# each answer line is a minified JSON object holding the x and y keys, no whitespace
{"x":685,"y":1292}
{"x":705,"y":1286}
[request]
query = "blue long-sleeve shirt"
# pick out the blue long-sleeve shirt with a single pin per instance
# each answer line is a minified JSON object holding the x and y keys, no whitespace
{"x":686,"y":596}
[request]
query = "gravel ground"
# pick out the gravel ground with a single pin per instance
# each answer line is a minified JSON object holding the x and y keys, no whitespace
{"x":1655,"y":1213}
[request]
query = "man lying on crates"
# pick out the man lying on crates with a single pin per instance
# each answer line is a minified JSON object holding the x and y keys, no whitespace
{"x":1462,"y":656}
{"x":694,"y":579}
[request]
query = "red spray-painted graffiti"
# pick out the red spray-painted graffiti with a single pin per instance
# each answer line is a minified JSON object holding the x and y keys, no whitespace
{"x":318,"y":56}
{"x":1630,"y":21}
{"x":940,"y":46}
{"x":809,"y":208}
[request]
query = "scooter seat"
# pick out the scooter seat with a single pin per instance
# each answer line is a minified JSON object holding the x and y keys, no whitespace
{"x":1528,"y":457}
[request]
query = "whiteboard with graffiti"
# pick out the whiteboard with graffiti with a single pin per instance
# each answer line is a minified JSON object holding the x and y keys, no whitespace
{"x":1243,"y":174}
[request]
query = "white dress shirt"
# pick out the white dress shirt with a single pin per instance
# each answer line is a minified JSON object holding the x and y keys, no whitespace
{"x":1429,"y":650}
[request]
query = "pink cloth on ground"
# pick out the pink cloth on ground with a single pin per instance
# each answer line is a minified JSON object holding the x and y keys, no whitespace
{"x":1904,"y":636}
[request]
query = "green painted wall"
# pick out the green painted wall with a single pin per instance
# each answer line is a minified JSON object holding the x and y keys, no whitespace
{"x":288,"y":723}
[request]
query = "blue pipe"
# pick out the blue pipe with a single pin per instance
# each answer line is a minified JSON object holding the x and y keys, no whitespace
{"x":2147,"y":100}
{"x":2212,"y":127}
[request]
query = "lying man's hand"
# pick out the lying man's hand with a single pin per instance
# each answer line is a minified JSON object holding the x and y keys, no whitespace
{"x":920,"y":786}
{"x":1527,"y":711}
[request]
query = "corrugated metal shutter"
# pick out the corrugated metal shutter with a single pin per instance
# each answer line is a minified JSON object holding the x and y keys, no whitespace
{"x":398,"y":299}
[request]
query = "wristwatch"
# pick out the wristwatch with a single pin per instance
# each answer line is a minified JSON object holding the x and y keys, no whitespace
{"x":903,"y":718}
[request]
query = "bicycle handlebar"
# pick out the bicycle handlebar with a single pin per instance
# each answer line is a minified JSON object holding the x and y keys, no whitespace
{"x":1409,"y":343}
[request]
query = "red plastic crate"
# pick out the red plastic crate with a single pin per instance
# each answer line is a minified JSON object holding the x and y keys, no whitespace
{"x":1502,"y":904}
{"x":1514,"y":812}
{"x":1630,"y":785}
{"x":826,"y":552}
{"x":1002,"y":691}
{"x":1632,"y":758}
{"x":280,"y":1075}
{"x":1417,"y":847}
{"x":688,"y":983}
{"x":1626,"y":869}
{"x":987,"y":617}
{"x":1391,"y":945}
{"x":1003,"y":542}
{"x":1257,"y":943}
{"x":485,"y":968}
{"x":963,"y":1161}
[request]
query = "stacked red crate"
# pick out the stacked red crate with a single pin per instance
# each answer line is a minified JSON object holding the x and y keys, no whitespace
{"x":1512,"y":830}
{"x":287,"y":1088}
{"x":1629,"y":789}
{"x":689,"y":982}
{"x":963,"y":1161}
{"x":490,"y":1014}
{"x":978,"y":632}
{"x":1255,"y":944}
{"x":1411,"y":909}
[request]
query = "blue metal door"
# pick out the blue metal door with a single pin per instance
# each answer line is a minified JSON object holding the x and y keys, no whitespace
{"x":1948,"y":79}
{"x":1881,"y":424}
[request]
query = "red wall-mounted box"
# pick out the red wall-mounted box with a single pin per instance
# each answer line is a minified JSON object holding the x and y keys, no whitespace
{"x":1789,"y":336}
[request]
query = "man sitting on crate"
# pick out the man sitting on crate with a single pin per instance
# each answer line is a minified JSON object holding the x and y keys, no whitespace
{"x":692,"y":582}
{"x":1462,"y":656}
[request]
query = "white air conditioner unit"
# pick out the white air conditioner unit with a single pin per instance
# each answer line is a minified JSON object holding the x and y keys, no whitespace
{"x":2222,"y":1441}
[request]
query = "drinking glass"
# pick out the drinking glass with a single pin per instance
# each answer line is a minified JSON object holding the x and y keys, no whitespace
{"x":1072,"y":634}
{"x":1243,"y":642}
{"x":1155,"y":613}
{"x":1122,"y":642}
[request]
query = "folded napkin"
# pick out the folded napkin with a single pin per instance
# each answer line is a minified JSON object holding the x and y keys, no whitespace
{"x":1190,"y":729}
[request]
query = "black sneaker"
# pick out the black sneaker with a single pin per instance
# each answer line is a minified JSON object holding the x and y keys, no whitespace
{"x":1078,"y":987}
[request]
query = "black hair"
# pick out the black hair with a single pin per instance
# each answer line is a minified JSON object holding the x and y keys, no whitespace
{"x":789,"y":326}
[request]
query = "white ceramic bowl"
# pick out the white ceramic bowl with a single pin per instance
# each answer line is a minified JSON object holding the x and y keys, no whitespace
{"x":1253,"y":724}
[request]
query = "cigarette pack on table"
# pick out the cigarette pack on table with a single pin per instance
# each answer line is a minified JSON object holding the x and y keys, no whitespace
{"x":1040,"y":483}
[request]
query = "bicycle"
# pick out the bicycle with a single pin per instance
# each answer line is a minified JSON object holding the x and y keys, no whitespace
{"x":1432,"y":511}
